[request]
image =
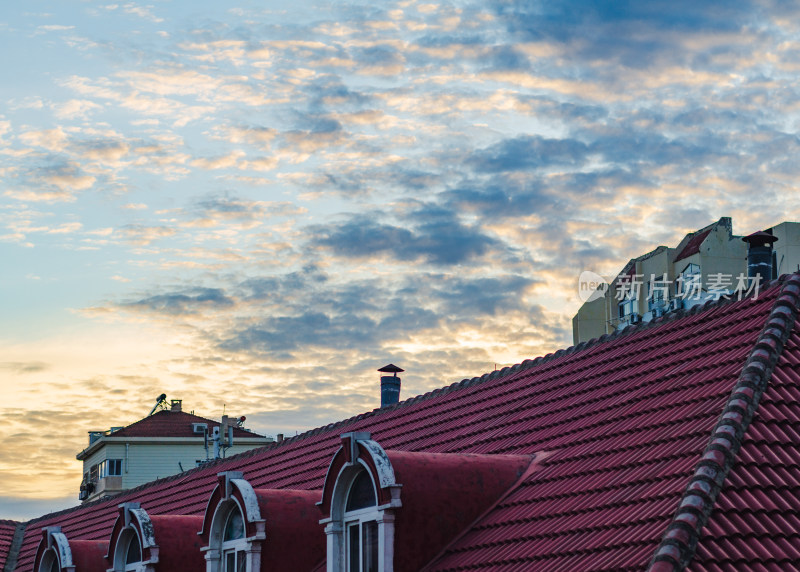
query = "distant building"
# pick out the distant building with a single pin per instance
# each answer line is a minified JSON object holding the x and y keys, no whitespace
{"x":165,"y":443}
{"x":705,"y":265}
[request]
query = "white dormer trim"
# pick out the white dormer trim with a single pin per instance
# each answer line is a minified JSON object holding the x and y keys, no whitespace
{"x":57,"y":550}
{"x":363,"y":456}
{"x":136,"y":527}
{"x":235,"y":495}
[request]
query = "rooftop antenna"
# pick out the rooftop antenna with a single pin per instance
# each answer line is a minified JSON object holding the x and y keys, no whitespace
{"x":162,"y":399}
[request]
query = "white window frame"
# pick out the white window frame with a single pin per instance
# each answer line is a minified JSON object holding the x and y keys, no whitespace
{"x":128,"y":536}
{"x":237,"y":546}
{"x":49,"y":558}
{"x":336,"y":525}
{"x":218,"y":548}
{"x":359,"y":518}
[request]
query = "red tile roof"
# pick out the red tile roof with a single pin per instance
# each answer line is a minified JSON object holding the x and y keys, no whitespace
{"x":693,"y":246}
{"x":626,"y":423}
{"x":168,"y":423}
{"x":757,"y":516}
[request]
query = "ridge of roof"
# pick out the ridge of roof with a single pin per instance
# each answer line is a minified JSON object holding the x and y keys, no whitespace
{"x":161,"y":418}
{"x":533,"y":466}
{"x":679,"y":542}
{"x":538,"y":361}
{"x":16,"y":543}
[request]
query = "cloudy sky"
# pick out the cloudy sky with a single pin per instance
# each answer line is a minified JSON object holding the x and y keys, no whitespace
{"x":254,"y":205}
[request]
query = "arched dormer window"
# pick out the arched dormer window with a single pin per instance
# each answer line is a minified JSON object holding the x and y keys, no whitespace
{"x":53,"y":548}
{"x":361,"y":525}
{"x":57,"y":554}
{"x":54,"y":554}
{"x":360,"y":497}
{"x":129,"y":557}
{"x":50,"y":562}
{"x":234,"y":543}
{"x":233,"y":526}
{"x":133,"y":547}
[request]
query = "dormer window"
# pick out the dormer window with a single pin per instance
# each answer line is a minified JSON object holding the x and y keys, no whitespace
{"x":359,"y":499}
{"x":57,"y":554}
{"x":236,"y":536}
{"x":234,"y":544}
{"x":361,"y":525}
{"x":133,"y":546}
{"x":129,"y":557}
{"x":50,"y":562}
{"x":233,"y":527}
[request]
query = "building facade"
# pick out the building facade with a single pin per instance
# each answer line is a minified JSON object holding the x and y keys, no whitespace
{"x":167,"y":442}
{"x":705,"y":265}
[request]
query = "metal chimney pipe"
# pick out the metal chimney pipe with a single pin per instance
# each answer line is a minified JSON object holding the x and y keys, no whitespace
{"x":390,"y":385}
{"x":759,"y":254}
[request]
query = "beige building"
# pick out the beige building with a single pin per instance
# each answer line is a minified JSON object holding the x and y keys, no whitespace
{"x":706,"y":264}
{"x":164,"y":443}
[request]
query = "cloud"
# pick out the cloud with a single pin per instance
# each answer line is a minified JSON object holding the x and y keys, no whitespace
{"x":183,"y":303}
{"x":437,"y":238}
{"x":221,"y":162}
{"x":636,"y":34}
{"x":21,"y":368}
{"x":143,"y":235}
{"x":76,"y":109}
{"x":144,"y":12}
{"x":51,"y":139}
{"x":529,"y":152}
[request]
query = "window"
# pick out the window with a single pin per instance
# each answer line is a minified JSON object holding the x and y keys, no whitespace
{"x":50,"y":562}
{"x":234,"y":543}
{"x":361,"y":525}
{"x":129,"y":553}
{"x":657,"y":292}
{"x":687,"y":284}
{"x":115,"y":467}
{"x":359,"y":502}
{"x":109,"y":468}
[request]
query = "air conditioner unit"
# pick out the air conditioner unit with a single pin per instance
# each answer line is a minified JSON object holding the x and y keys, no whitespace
{"x":675,"y":304}
{"x":199,"y":428}
{"x":635,"y":318}
{"x":657,"y":312}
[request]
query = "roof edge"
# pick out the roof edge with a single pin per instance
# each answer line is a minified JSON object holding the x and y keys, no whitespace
{"x":16,"y":546}
{"x":679,"y":542}
{"x":535,"y":464}
{"x":531,"y":363}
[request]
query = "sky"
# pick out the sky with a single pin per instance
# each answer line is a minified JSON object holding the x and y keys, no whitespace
{"x":252,"y":206}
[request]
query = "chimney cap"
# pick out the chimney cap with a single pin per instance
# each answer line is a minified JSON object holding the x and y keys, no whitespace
{"x":759,"y":238}
{"x":391,"y":368}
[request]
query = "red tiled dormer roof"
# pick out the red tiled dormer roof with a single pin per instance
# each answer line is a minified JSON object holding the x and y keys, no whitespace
{"x":693,"y":246}
{"x":631,"y":436}
{"x":7,"y":529}
{"x":168,"y":423}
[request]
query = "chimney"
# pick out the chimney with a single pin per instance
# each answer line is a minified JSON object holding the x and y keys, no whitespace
{"x":390,"y":385}
{"x":759,"y":254}
{"x":280,"y":438}
{"x":175,"y":404}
